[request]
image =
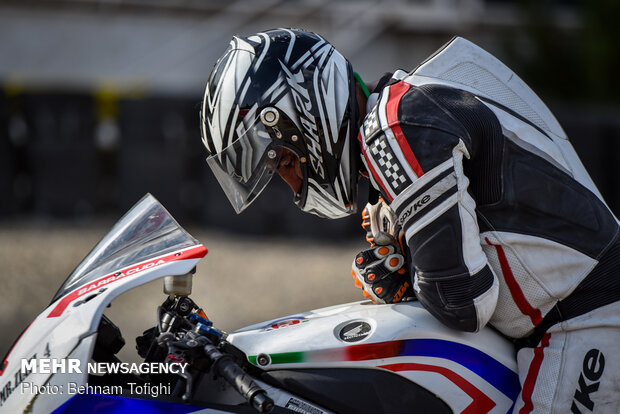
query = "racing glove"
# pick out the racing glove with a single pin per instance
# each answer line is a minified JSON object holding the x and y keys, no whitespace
{"x":381,"y":271}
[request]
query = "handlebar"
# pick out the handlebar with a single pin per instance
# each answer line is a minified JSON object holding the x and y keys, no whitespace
{"x":244,"y":384}
{"x":175,"y":315}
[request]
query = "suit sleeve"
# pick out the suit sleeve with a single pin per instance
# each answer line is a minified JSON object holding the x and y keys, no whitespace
{"x":414,"y":149}
{"x":452,"y":278}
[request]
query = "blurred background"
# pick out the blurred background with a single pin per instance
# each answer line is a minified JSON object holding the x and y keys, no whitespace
{"x":99,"y":104}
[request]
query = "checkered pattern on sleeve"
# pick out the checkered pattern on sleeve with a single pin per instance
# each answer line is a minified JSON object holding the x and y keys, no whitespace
{"x":388,"y":164}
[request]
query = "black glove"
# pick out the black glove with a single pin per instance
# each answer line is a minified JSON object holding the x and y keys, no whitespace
{"x":381,"y":271}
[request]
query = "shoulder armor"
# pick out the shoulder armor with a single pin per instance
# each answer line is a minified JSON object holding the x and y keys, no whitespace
{"x":462,"y":64}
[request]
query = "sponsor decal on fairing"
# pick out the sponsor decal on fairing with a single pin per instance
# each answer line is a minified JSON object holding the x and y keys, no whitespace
{"x":473,"y":360}
{"x":190,"y":253}
{"x":355,"y":331}
{"x":285,"y":323}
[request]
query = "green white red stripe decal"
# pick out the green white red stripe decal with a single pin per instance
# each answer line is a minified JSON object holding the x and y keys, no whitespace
{"x":492,"y":371}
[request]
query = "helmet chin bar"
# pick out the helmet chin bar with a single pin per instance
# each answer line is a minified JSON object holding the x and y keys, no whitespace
{"x":310,"y":201}
{"x":321,"y":203}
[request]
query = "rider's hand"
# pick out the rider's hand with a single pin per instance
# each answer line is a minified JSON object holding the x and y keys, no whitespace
{"x":381,"y":271}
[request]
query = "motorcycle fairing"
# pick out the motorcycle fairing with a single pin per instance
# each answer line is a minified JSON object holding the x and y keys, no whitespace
{"x":84,"y":403}
{"x":217,"y":391}
{"x":479,"y":370}
{"x":95,"y":287}
{"x":146,"y":244}
{"x":98,"y":403}
{"x":319,"y":338}
{"x":359,"y":390}
{"x":495,"y":373}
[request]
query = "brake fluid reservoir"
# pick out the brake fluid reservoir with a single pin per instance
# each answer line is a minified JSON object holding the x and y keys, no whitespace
{"x":180,"y":285}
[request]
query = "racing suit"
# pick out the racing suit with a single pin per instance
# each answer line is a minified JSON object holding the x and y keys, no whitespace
{"x":504,"y":226}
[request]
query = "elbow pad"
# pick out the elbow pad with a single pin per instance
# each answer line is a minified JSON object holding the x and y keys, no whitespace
{"x":464,"y":302}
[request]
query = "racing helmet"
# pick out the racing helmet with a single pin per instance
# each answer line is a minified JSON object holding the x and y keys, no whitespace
{"x":279,"y":89}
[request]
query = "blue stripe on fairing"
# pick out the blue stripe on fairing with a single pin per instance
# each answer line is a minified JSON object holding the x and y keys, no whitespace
{"x":111,"y":404}
{"x":491,"y":370}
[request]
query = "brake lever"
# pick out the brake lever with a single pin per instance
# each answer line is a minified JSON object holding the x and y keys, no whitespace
{"x":177,"y":353}
{"x":201,"y":338}
{"x":188,"y":385}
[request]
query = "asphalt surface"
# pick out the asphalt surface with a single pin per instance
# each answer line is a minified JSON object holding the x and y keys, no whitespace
{"x":241,"y":281}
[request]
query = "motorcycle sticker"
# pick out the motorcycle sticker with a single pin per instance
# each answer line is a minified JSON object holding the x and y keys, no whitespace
{"x":486,"y":367}
{"x":285,"y":323}
{"x":299,"y":406}
{"x":189,"y":253}
{"x":355,"y":331}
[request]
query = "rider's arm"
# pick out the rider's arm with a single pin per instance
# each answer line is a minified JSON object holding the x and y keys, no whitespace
{"x":452,"y":278}
{"x":428,"y":191}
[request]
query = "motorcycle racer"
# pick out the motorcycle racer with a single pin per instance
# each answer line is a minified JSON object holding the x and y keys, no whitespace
{"x":494,"y":219}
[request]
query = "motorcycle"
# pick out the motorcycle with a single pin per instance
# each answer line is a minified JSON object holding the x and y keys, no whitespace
{"x":351,"y":358}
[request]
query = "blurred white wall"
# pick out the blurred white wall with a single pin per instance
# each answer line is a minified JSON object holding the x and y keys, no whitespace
{"x":171,"y":45}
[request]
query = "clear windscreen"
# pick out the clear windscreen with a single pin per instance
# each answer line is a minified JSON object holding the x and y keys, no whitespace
{"x":144,"y":232}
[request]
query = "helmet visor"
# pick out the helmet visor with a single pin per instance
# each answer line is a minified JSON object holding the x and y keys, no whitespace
{"x":245,"y":167}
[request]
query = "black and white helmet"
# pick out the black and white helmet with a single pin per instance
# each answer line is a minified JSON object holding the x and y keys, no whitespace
{"x":283,"y":89}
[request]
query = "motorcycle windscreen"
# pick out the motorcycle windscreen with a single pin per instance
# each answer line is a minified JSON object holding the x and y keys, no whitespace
{"x":144,"y":232}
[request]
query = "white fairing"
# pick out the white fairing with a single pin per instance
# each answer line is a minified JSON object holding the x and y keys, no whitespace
{"x":68,"y":327}
{"x":403,"y":338}
{"x":70,"y":335}
{"x":470,"y":372}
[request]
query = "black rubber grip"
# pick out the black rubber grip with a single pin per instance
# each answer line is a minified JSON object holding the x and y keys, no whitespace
{"x":224,"y":366}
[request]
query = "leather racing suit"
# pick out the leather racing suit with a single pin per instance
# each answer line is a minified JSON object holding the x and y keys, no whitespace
{"x":504,"y":226}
